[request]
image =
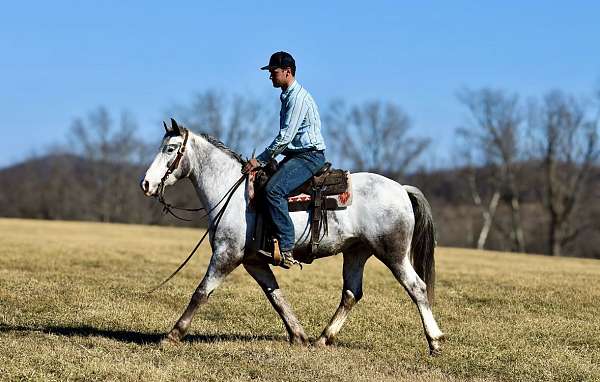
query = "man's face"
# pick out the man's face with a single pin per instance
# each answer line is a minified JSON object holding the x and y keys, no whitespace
{"x":279,"y":76}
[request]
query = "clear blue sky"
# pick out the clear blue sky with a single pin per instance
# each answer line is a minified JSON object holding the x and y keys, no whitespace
{"x":61,"y":59}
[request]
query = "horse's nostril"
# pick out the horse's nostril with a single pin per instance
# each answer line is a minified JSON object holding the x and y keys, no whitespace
{"x":145,"y":185}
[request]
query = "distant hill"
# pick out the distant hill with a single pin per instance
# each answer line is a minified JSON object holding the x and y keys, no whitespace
{"x":69,"y":187}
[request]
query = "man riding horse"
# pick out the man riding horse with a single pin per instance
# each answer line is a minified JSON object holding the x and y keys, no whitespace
{"x":299,"y":140}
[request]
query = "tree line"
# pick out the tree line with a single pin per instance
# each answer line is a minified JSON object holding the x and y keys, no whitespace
{"x":524,"y":176}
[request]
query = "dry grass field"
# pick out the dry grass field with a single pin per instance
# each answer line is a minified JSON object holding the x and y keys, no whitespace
{"x":73,"y":307}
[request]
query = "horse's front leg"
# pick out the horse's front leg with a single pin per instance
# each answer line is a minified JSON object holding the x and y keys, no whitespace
{"x":222,"y":262}
{"x":266,"y":279}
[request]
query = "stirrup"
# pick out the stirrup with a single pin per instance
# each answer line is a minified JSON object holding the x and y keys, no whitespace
{"x":284,"y":262}
{"x":278,"y":258}
{"x":283,"y":259}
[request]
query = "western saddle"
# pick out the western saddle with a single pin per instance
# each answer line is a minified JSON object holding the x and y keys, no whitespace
{"x":329,"y":189}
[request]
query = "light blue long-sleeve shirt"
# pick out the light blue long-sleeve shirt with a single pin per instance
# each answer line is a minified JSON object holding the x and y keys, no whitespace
{"x":299,"y":124}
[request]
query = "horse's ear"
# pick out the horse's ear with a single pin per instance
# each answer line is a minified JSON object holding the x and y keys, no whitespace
{"x":166,"y":128}
{"x":175,"y":127}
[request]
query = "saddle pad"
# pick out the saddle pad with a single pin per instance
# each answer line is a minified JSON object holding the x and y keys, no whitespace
{"x":343,"y":199}
{"x":337,"y":188}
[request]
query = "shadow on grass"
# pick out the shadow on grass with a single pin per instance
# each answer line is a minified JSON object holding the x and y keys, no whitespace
{"x":136,"y":337}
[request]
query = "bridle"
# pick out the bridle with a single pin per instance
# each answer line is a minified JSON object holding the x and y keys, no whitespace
{"x":173,"y":166}
{"x":167,"y":207}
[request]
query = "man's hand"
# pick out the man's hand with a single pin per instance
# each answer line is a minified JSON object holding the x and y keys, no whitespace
{"x":250,"y":165}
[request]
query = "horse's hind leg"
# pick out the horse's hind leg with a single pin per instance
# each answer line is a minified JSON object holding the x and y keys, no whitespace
{"x":417,"y":290}
{"x":220,"y":266}
{"x":266,"y":279}
{"x":354,"y":264}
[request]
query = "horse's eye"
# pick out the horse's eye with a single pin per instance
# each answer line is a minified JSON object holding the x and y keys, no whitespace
{"x":169,"y":149}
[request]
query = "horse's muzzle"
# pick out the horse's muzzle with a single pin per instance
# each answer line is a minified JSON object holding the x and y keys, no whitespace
{"x":145,"y":186}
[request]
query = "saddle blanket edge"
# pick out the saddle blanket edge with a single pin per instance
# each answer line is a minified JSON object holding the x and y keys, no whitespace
{"x":303,"y":201}
{"x":335,"y":201}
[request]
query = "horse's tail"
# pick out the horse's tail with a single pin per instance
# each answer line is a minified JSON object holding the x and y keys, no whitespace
{"x":423,"y":240}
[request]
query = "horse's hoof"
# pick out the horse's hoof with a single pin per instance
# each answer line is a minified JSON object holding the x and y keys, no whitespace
{"x":320,"y":343}
{"x":168,"y":342}
{"x":435,"y":348}
{"x":301,"y":340}
{"x":435,"y":352}
{"x":171,"y":339}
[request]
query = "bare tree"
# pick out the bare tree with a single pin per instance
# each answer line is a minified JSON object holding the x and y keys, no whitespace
{"x":566,"y":138}
{"x":110,"y":154}
{"x":487,"y":206}
{"x":242,"y":123}
{"x":495,"y":131}
{"x":372,"y":137}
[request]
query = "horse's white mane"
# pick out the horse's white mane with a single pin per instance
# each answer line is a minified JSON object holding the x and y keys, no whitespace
{"x":221,"y":146}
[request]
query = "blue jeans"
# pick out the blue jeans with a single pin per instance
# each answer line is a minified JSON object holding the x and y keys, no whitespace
{"x":293,"y":171}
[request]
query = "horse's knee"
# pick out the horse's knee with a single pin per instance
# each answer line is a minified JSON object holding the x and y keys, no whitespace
{"x":419,"y":290}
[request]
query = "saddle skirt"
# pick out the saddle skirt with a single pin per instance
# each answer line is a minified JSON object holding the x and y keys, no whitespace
{"x":334,"y":186}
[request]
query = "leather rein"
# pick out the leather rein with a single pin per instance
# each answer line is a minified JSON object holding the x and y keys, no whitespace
{"x":169,"y":207}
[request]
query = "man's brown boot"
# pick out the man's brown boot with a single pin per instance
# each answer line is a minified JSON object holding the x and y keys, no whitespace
{"x":283,"y":259}
{"x":287,"y":260}
{"x":277,"y":257}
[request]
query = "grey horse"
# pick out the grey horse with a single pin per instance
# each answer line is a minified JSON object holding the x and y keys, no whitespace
{"x":387,"y":220}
